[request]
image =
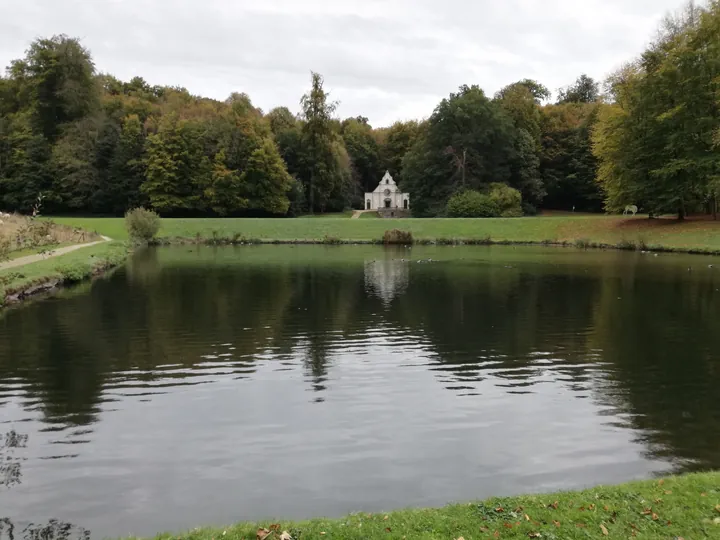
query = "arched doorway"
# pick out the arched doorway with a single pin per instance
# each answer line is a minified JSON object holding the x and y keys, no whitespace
{"x":367,"y":205}
{"x":405,"y":204}
{"x":387,"y":203}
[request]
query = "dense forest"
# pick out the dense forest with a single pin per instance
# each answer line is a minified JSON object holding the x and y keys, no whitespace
{"x":87,"y":142}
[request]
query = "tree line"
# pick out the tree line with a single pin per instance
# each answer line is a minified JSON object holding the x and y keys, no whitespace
{"x":657,"y":138}
{"x":91,"y":143}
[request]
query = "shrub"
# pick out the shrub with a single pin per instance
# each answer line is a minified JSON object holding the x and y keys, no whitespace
{"x":396,"y":236}
{"x":507,"y":199}
{"x":5,"y":249}
{"x":74,"y":273}
{"x":331,"y":240}
{"x":626,"y":244}
{"x":472,"y":204}
{"x":142,"y":225}
{"x":582,"y":243}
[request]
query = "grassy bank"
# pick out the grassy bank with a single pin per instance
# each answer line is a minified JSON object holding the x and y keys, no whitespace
{"x":30,"y":279}
{"x":587,"y":231}
{"x":685,"y":507}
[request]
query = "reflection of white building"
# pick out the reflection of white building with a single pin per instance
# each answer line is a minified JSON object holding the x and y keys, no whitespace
{"x":387,"y":195}
{"x":386,"y":278}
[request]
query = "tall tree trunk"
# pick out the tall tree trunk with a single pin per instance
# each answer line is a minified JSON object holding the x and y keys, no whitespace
{"x":311,"y":193}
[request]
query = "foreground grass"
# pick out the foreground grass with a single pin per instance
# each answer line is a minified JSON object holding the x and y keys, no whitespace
{"x":69,"y":268}
{"x":686,"y":507}
{"x":584,"y":230}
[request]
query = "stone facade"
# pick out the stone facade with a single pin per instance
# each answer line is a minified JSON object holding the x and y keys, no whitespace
{"x":387,"y":196}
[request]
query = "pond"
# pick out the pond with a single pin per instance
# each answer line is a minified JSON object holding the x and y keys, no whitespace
{"x":200,"y":386}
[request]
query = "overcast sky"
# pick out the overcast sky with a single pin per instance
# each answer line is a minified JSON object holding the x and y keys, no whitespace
{"x":385,"y":59}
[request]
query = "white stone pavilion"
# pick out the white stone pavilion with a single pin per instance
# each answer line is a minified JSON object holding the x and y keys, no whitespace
{"x":387,"y":195}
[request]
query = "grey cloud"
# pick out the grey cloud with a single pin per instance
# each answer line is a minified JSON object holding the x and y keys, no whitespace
{"x":385,"y":60}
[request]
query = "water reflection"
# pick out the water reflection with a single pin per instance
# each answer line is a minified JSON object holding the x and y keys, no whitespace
{"x":10,"y":462}
{"x":52,"y":530}
{"x":355,"y":378}
{"x":387,"y":277}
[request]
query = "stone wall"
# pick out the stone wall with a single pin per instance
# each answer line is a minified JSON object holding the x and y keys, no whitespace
{"x":393,"y":213}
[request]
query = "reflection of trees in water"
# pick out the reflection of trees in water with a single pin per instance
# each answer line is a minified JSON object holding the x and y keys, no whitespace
{"x":10,"y":462}
{"x":514,"y":323}
{"x":52,"y":530}
{"x":660,"y":338}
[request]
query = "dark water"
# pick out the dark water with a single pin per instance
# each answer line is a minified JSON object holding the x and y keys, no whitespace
{"x":206,"y":386}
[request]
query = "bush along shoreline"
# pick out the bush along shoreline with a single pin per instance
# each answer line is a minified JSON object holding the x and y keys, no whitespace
{"x":677,"y":507}
{"x":32,"y":280}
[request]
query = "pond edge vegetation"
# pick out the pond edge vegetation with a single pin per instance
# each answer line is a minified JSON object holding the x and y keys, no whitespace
{"x":400,"y":237}
{"x":35,"y":279}
{"x":686,"y":506}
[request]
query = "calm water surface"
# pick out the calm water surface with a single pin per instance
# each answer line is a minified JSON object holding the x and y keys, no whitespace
{"x":206,"y":386}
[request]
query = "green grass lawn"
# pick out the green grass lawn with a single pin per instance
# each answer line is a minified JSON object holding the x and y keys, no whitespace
{"x":685,"y":507}
{"x":689,"y":235}
{"x":74,"y":266}
{"x":347,"y":214}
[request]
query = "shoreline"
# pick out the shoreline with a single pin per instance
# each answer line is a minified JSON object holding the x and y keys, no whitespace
{"x":33,"y":280}
{"x":330,"y":241}
{"x":686,"y":506}
{"x":56,"y":278}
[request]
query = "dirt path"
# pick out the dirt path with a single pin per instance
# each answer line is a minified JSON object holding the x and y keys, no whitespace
{"x":22,"y":261}
{"x":358,"y":213}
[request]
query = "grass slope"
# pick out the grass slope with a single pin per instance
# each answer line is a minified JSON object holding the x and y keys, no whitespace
{"x":685,"y":507}
{"x":668,"y":233}
{"x":71,"y":267}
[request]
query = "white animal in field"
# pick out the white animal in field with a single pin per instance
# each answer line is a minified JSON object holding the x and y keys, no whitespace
{"x":630,"y":209}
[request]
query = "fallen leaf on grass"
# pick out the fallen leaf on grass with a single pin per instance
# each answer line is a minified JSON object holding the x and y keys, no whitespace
{"x":580,"y":525}
{"x":534,"y":535}
{"x":461,"y":538}
{"x":703,"y":494}
{"x":496,"y":534}
{"x":604,"y":529}
{"x":262,"y":534}
{"x":507,"y":525}
{"x":556,"y":523}
{"x":717,"y":507}
{"x":386,"y":517}
{"x":499,"y":509}
{"x":655,"y":516}
{"x":668,"y":492}
{"x":661,"y":482}
{"x":527,"y":518}
{"x":553,"y":505}
{"x":388,"y":529}
{"x":285,"y":536}
{"x":647,"y":511}
{"x":275,"y":527}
